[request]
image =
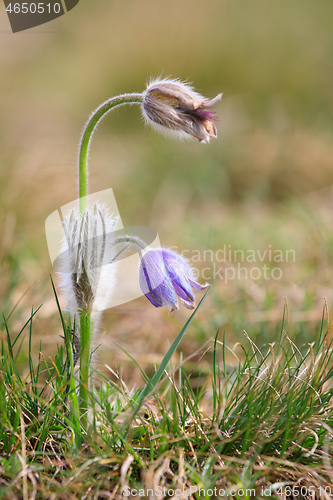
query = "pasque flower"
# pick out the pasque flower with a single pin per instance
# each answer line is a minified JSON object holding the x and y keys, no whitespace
{"x":172,"y":106}
{"x":86,"y":262}
{"x":164,"y":276}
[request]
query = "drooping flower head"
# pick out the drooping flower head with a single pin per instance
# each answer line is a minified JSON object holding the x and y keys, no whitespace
{"x":164,"y":276}
{"x":172,"y":106}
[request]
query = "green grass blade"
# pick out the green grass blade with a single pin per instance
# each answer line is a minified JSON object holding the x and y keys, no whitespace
{"x":154,"y":381}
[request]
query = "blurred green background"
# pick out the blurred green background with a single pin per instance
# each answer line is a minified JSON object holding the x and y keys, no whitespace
{"x":266,"y":182}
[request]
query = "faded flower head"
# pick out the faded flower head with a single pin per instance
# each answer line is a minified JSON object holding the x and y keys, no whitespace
{"x":172,"y":106}
{"x":86,"y":268}
{"x":164,"y":276}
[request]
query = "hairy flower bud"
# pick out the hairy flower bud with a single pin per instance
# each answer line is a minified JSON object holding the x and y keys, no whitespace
{"x":164,"y":276}
{"x":172,"y":106}
{"x":86,"y":268}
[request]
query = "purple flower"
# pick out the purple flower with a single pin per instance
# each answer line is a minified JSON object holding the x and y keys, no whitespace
{"x":164,"y":276}
{"x":172,"y":106}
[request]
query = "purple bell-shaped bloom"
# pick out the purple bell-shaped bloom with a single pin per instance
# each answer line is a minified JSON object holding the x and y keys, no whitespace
{"x":164,"y":276}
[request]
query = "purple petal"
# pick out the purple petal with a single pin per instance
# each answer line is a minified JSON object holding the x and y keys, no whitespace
{"x":205,"y":114}
{"x":149,"y":297}
{"x":181,"y":292}
{"x":188,"y":304}
{"x":197,"y":285}
{"x":155,"y":281}
{"x":177,"y":270}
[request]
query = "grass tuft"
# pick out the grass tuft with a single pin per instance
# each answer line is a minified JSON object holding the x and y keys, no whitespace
{"x":260,"y":423}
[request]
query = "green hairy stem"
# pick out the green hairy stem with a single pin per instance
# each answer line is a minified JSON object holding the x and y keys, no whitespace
{"x":87,"y":134}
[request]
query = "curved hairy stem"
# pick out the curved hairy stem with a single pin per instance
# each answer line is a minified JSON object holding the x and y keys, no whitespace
{"x":87,"y":134}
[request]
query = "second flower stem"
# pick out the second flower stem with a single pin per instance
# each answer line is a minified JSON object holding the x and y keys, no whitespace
{"x":86,"y":327}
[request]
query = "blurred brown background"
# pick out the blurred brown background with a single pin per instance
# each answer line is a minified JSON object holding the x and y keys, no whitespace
{"x":266,"y":180}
